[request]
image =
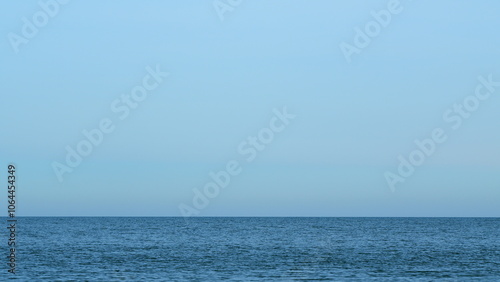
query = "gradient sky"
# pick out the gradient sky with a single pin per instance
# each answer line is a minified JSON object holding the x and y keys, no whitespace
{"x":226,"y":77}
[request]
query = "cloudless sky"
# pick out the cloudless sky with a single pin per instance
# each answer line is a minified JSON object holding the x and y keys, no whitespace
{"x":352,"y":121}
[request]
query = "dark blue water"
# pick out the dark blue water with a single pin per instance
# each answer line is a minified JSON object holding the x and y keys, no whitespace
{"x":211,"y":249}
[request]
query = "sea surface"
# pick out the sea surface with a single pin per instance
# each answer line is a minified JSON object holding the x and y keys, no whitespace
{"x":214,"y":249}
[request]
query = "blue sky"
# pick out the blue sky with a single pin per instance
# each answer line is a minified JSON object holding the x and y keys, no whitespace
{"x":352,"y":121}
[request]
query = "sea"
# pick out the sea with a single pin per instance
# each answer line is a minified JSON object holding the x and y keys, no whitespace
{"x":254,"y":249}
